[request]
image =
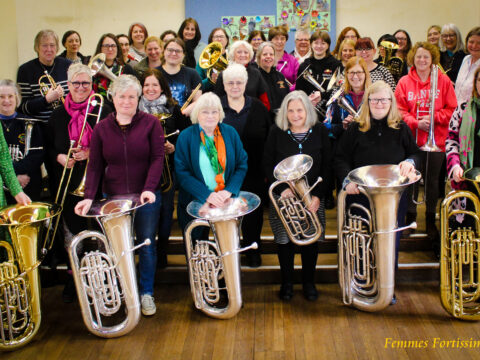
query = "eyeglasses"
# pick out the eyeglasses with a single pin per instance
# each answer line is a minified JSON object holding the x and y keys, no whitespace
{"x":76,"y":84}
{"x":356,"y":73}
{"x":209,"y":112}
{"x":219,"y":37}
{"x":364,"y":49}
{"x":302,"y":39}
{"x":109,"y":46}
{"x":236,"y":83}
{"x":401,"y":38}
{"x":380,"y":100}
{"x":174,"y":51}
{"x":446,"y":36}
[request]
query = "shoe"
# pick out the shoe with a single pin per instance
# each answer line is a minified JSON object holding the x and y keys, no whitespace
{"x":394,"y":300}
{"x":254,"y":260}
{"x":310,"y":291}
{"x":148,"y":305}
{"x":69,"y":292}
{"x":329,"y":202}
{"x":411,"y":217}
{"x":286,"y":292}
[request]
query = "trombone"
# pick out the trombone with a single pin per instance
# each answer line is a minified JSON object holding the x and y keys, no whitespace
{"x":46,"y":82}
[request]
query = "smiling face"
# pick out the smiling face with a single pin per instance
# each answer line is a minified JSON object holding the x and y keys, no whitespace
{"x":255,"y":42}
{"x":80,"y":87}
{"x":366,"y":54}
{"x":402,"y":40}
{"x":173,"y":54}
{"x":378,"y":109}
{"x":473,"y":47}
{"x":138,"y":36}
{"x":348,"y":51}
{"x":351,"y":35}
{"x":279,"y":42}
{"x":151,"y":88}
{"x":422,"y":60}
{"x":154,"y":51}
{"x":72,"y":44}
{"x":189,"y":32}
{"x":124,"y":44}
{"x":109,"y":48}
{"x":208,"y":118}
{"x":241,"y":55}
{"x":356,"y":78}
{"x":267,"y":58}
{"x":235,"y":88}
{"x":126,"y":102}
{"x":219,"y":36}
{"x":8,"y":100}
{"x":449,"y":39}
{"x":302,"y":43}
{"x":433,"y":36}
{"x":47,"y":50}
{"x":296,"y":115}
{"x":319,"y":48}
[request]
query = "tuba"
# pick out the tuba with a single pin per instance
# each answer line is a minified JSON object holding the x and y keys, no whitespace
{"x":214,"y":266}
{"x":212,"y":59}
{"x":394,"y":64}
{"x":302,"y":226}
{"x":366,"y":254}
{"x":105,"y":278}
{"x":460,"y":255}
{"x":19,"y":276}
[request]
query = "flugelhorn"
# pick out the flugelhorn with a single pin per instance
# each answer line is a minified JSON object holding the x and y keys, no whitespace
{"x":47,"y":82}
{"x":460,"y":254}
{"x":19,"y":276}
{"x":105,"y":278}
{"x":212,"y":263}
{"x":211,"y":59}
{"x":302,"y":226}
{"x":366,"y":237}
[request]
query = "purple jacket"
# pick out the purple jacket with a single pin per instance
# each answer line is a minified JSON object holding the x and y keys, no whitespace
{"x":131,"y":161}
{"x":291,"y":67}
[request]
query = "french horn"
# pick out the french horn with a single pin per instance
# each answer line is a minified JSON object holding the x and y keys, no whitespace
{"x":214,"y":266}
{"x":20,"y":313}
{"x":302,"y":226}
{"x":460,"y":254}
{"x":105,"y":276}
{"x":366,"y":242}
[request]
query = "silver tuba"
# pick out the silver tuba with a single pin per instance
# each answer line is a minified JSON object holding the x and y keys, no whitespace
{"x":302,"y":226}
{"x":366,"y":254}
{"x":214,"y":266}
{"x":105,"y":278}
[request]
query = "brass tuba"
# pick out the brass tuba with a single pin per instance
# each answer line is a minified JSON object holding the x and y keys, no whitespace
{"x":19,"y":277}
{"x":105,"y":278}
{"x":366,"y":243}
{"x":460,"y":255}
{"x":214,"y":266}
{"x":394,"y":64}
{"x":302,"y":226}
{"x":212,"y":59}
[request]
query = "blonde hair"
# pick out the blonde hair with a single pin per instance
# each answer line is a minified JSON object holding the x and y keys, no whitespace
{"x":356,"y":60}
{"x":393,"y":117}
{"x":14,"y":86}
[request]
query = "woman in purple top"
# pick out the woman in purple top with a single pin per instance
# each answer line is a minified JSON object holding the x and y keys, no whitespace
{"x":127,"y":151}
{"x":287,"y":64}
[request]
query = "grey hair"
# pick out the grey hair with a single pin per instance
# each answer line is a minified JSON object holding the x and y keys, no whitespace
{"x":77,"y":69}
{"x":43,"y":34}
{"x":235,"y":71}
{"x":232,"y":48}
{"x":302,"y":31}
{"x":262,"y":46}
{"x":454,"y":28}
{"x":282,"y":120}
{"x":207,"y":100}
{"x":16,"y":89}
{"x":124,"y":83}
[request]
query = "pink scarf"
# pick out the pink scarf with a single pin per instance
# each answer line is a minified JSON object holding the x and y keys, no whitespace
{"x":77,"y":112}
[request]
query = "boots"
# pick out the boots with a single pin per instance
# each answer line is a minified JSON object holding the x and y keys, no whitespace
{"x":432,"y":233}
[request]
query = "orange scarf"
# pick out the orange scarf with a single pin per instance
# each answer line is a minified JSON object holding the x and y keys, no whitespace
{"x":217,"y":155}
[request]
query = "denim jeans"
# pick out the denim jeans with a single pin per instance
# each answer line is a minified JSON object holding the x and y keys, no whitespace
{"x":146,"y":220}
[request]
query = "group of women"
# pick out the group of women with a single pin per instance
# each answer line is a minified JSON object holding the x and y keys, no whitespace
{"x":236,"y":125}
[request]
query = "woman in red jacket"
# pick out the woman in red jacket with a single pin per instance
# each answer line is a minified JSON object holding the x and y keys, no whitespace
{"x":413,"y":99}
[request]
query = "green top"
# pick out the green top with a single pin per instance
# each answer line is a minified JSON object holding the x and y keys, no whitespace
{"x":8,"y":176}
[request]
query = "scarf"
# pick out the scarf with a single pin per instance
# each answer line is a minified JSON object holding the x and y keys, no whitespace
{"x":153,"y":107}
{"x":189,"y":59}
{"x":466,"y":134}
{"x":217,"y":155}
{"x":77,"y":112}
{"x":8,"y":117}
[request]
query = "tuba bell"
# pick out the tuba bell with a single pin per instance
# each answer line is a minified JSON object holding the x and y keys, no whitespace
{"x":394,"y":64}
{"x":212,"y":59}
{"x":366,"y":243}
{"x":97,"y":65}
{"x":214,"y":266}
{"x":460,"y":254}
{"x":302,"y":226}
{"x":19,"y":276}
{"x":105,"y":278}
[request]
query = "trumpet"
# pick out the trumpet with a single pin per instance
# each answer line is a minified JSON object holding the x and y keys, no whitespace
{"x":46,"y":82}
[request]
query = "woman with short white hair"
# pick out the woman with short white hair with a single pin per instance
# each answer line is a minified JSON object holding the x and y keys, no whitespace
{"x":241,"y":52}
{"x":251,"y":120}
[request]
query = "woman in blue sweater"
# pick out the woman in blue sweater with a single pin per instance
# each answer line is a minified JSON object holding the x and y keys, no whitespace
{"x":210,"y":162}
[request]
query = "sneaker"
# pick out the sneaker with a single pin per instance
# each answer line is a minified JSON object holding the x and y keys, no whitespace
{"x":148,"y":305}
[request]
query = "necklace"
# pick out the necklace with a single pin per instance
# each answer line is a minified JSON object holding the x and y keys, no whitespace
{"x":45,"y":70}
{"x":299,"y":141}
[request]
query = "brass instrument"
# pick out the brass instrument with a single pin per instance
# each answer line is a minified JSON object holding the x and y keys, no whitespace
{"x":308,"y":75}
{"x":19,"y":276}
{"x":97,"y":65}
{"x":286,"y":80}
{"x":93,"y":100}
{"x":105,"y":278}
{"x":339,"y":97}
{"x":166,"y":182}
{"x":190,"y":98}
{"x":214,"y":263}
{"x":394,"y":64}
{"x":302,"y":226}
{"x":460,"y":255}
{"x":337,"y":79}
{"x":14,"y":150}
{"x":212,"y":59}
{"x":366,"y":254}
{"x":47,"y":82}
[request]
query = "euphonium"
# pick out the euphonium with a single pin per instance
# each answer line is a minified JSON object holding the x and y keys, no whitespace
{"x":214,"y":266}
{"x":212,"y":59}
{"x":19,"y":277}
{"x":46,"y":82}
{"x":366,"y":242}
{"x":393,"y":64}
{"x":302,"y":226}
{"x":460,"y":255}
{"x":105,"y":278}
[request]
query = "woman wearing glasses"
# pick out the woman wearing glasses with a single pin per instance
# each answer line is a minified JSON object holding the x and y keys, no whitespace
{"x":181,"y":79}
{"x":413,"y":98}
{"x":451,"y":50}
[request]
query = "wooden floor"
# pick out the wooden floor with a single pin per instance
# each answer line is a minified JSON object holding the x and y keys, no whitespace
{"x":266,"y":328}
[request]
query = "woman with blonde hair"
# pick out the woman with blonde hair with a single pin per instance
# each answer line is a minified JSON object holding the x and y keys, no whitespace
{"x":154,"y":49}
